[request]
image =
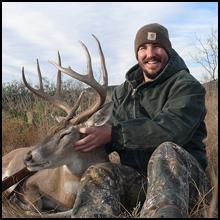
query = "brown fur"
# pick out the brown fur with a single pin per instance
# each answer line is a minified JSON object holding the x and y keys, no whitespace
{"x":45,"y":183}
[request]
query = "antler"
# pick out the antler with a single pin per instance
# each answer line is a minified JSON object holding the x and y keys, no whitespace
{"x":101,"y":89}
{"x":56,"y":99}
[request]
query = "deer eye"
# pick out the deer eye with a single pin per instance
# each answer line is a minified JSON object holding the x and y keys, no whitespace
{"x":64,"y":133}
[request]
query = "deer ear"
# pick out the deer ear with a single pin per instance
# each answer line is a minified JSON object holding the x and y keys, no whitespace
{"x":100,"y":117}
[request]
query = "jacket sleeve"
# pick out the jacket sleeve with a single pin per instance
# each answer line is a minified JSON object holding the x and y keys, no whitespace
{"x":177,"y":121}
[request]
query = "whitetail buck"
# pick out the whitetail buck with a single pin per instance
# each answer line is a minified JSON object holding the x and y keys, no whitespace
{"x":59,"y":167}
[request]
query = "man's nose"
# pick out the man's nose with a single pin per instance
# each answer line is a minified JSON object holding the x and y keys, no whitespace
{"x":150,"y":52}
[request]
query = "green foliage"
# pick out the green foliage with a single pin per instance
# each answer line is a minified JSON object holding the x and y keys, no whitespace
{"x":26,"y":117}
{"x":18,"y":132}
{"x":17,"y":99}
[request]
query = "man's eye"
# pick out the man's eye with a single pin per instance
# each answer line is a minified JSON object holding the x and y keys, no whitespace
{"x":141,"y":48}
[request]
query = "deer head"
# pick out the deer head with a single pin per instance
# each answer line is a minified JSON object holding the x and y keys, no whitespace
{"x":56,"y":148}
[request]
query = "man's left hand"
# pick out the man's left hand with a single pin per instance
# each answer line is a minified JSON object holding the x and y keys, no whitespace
{"x":96,"y":137}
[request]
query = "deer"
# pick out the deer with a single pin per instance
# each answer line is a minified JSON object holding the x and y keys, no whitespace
{"x":57,"y":167}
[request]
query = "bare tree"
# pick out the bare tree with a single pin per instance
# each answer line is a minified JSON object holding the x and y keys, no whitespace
{"x":208,"y":55}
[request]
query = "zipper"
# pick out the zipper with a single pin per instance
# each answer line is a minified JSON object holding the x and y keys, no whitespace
{"x":133,"y":94}
{"x":134,"y":108}
{"x":134,"y":90}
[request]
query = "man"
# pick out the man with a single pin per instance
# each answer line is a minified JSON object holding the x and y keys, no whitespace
{"x":157,"y":128}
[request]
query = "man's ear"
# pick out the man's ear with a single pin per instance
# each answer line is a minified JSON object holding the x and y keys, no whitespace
{"x":100,"y":117}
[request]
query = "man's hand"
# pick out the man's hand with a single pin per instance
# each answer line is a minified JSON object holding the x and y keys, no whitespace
{"x":96,"y":136}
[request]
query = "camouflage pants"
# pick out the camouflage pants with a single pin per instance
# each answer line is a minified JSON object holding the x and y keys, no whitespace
{"x":174,"y":178}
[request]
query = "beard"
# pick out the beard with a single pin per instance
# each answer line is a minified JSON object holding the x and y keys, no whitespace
{"x":151,"y":75}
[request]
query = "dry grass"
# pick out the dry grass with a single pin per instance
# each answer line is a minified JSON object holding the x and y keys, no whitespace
{"x":212,"y":146}
{"x":9,"y":211}
{"x":17,"y":133}
{"x":14,"y":211}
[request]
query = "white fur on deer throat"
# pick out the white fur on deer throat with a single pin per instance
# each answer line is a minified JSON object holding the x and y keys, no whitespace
{"x":70,"y":186}
{"x":76,"y":165}
{"x":80,"y":161}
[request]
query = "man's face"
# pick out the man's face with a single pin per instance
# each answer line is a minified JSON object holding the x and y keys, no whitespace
{"x":152,"y":59}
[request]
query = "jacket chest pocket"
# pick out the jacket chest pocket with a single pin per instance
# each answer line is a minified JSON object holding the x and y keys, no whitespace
{"x":124,"y":112}
{"x":150,"y":107}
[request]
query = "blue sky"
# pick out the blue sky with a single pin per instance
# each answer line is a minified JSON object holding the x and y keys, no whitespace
{"x":38,"y":30}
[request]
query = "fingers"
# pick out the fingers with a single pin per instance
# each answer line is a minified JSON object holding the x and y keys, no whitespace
{"x":84,"y":141}
{"x":96,"y":136}
{"x":86,"y":145}
{"x":87,"y":130}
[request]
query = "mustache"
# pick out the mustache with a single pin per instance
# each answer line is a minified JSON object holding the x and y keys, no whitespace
{"x":154,"y":58}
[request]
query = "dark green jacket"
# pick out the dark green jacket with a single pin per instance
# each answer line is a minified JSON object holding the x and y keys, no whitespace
{"x":170,"y":108}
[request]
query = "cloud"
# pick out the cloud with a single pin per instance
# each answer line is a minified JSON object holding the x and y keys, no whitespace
{"x":37,"y":30}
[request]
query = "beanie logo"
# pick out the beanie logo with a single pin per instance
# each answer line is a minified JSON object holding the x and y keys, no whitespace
{"x":151,"y":36}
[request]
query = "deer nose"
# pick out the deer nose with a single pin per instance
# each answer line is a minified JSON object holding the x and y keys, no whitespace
{"x":28,"y":157}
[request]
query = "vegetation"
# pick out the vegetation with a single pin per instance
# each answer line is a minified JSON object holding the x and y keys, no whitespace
{"x":207,"y":56}
{"x":27,"y":118}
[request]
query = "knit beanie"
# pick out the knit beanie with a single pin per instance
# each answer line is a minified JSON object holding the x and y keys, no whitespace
{"x":152,"y":33}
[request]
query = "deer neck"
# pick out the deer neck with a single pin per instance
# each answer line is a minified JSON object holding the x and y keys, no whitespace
{"x":82,"y":160}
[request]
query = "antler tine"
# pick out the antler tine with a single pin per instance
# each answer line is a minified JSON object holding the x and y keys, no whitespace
{"x":58,"y":88}
{"x":75,"y":107}
{"x":40,"y":76}
{"x":89,"y":80}
{"x":88,"y":63}
{"x":103,"y":66}
{"x":55,"y":100}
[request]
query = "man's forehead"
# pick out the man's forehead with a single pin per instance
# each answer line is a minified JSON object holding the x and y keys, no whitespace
{"x":150,"y":44}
